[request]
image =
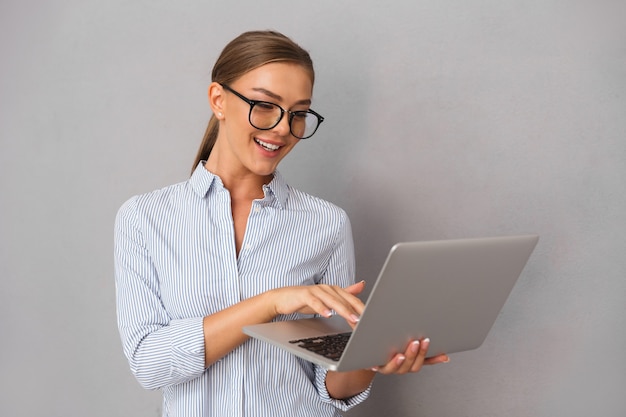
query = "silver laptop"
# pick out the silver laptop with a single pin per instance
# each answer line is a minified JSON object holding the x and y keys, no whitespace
{"x":450,"y":291}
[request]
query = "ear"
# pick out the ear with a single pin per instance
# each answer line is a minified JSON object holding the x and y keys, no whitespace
{"x":216,"y":100}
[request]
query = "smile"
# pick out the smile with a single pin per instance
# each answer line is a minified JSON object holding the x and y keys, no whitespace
{"x":267,"y":146}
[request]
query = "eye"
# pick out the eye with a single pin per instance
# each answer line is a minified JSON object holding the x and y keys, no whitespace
{"x":265,"y":106}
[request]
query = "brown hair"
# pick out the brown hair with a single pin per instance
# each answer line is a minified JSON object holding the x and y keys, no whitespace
{"x":246,"y":52}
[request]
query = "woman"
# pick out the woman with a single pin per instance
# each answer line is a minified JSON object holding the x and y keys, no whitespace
{"x":235,"y":245}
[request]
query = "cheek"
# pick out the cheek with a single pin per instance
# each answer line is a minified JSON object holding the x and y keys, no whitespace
{"x":293,"y":142}
{"x":290,"y":147}
{"x":237,"y":133}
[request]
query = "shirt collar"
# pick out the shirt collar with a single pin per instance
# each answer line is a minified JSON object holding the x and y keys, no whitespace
{"x":278,"y":189}
{"x":202,"y":180}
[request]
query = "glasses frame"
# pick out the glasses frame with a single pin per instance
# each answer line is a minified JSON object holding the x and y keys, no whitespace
{"x":291,"y":114}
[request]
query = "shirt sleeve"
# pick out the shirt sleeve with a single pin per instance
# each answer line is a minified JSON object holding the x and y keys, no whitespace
{"x":343,"y":405}
{"x":160,"y":351}
{"x":341,"y":264}
{"x":340,"y":271}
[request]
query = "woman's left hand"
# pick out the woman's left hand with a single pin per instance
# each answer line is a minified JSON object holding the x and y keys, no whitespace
{"x":411,"y":360}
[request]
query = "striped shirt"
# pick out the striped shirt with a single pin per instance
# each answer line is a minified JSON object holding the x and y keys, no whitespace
{"x":175,"y":262}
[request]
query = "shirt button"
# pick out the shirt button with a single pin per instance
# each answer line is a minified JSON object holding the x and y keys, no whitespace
{"x":257,"y":209}
{"x":248,"y":246}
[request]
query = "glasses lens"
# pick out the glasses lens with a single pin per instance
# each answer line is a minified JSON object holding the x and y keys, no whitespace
{"x":264,"y":115}
{"x":303,"y":124}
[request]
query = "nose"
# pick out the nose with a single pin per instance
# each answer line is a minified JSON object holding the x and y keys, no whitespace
{"x":283,"y":128}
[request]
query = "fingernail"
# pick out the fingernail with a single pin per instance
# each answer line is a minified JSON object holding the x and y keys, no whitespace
{"x":400,"y":359}
{"x":354,"y":318}
{"x":327,"y":313}
{"x":415,"y":346}
{"x":447,"y":360}
{"x":375,"y":369}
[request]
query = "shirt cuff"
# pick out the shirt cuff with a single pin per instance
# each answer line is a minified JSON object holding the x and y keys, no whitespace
{"x":187,"y":347}
{"x":343,"y":405}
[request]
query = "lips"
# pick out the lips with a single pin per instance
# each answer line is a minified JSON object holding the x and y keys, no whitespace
{"x":267,"y":146}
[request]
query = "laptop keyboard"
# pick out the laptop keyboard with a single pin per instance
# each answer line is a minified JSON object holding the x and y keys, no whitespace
{"x":330,"y":346}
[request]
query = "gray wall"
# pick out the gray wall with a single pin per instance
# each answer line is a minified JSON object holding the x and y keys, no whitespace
{"x":444,"y":119}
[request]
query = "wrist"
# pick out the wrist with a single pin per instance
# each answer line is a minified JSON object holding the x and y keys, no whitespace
{"x":268,"y":301}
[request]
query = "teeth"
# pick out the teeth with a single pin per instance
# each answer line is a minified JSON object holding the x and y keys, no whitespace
{"x":267,"y":146}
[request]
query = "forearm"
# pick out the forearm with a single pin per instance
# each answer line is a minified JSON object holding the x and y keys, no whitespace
{"x":342,"y":385}
{"x":180,"y":350}
{"x":223,"y":330}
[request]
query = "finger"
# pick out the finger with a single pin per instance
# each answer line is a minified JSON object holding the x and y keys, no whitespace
{"x":415,"y":357}
{"x":415,"y":354}
{"x":421,"y":355}
{"x":316,"y":299}
{"x":347,"y":296}
{"x":345,"y":304}
{"x":433,"y":360}
{"x":392,"y":366}
{"x":318,"y":306}
{"x":322,"y":299}
{"x":355,"y":289}
{"x":401,"y":363}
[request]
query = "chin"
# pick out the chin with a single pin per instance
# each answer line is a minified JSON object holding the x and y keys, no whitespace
{"x":265,"y":172}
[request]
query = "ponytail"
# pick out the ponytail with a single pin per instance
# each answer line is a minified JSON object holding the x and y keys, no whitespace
{"x":210,"y":136}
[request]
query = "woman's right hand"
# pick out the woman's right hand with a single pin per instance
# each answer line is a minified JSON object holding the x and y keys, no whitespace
{"x":320,"y":299}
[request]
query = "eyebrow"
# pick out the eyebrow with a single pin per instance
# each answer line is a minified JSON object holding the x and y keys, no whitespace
{"x":277,"y":97}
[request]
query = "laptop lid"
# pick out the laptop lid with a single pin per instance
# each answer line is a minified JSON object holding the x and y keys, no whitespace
{"x":450,"y":291}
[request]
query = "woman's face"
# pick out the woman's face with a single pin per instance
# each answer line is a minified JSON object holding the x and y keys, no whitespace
{"x":241,"y":149}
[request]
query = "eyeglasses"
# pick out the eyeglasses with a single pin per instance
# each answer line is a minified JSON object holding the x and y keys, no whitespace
{"x":265,"y":116}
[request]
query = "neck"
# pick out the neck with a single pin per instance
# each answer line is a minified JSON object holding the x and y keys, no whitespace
{"x":241,"y":185}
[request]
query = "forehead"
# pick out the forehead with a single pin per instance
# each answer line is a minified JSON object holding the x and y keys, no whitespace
{"x":286,"y":79}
